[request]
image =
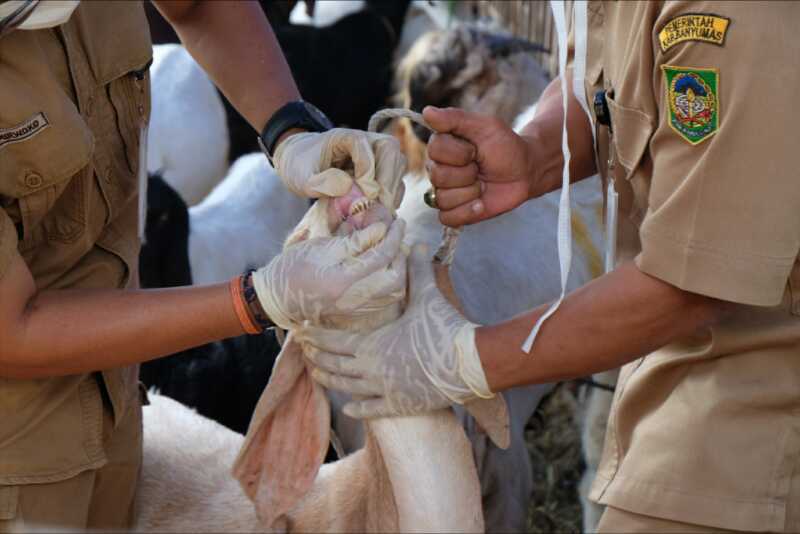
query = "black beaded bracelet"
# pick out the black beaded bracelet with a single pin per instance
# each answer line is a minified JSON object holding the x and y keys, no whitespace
{"x":259,"y":316}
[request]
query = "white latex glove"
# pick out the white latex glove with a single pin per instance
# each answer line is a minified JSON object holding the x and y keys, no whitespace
{"x":424,"y":361}
{"x":317,"y":164}
{"x":333,"y":277}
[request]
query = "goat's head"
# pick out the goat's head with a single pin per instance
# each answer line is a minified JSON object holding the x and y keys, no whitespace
{"x":479,"y":71}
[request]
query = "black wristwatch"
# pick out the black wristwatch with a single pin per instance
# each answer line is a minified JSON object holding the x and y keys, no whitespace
{"x":296,"y":114}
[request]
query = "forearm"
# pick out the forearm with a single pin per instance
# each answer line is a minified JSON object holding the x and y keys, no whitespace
{"x":611,"y":321}
{"x":75,"y":331}
{"x":543,"y":135}
{"x":234,"y":43}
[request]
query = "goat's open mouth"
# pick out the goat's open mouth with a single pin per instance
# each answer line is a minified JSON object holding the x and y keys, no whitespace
{"x":355,"y":211}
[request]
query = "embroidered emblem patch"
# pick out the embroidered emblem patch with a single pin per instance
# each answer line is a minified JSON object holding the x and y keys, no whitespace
{"x":23,"y":131}
{"x":693,"y":100}
{"x":693,"y":27}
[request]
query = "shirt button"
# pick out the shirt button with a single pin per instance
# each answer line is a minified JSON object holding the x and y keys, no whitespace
{"x":107,"y":175}
{"x":33,"y":180}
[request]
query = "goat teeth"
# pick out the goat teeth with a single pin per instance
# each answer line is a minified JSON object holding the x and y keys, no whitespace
{"x":359,"y":206}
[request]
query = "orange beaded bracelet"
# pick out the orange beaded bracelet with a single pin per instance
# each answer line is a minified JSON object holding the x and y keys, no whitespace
{"x":240,"y":307}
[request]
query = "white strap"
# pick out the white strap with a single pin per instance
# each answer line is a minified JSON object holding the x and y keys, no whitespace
{"x":581,"y":33}
{"x":579,"y":74}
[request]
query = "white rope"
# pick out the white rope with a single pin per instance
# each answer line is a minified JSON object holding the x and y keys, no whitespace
{"x":579,"y":72}
{"x":447,"y":250}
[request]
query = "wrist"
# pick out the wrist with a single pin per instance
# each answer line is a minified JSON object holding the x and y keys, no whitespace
{"x":536,"y":167}
{"x":251,"y":315}
{"x":470,"y":368}
{"x":256,"y":311}
{"x":285,"y":135}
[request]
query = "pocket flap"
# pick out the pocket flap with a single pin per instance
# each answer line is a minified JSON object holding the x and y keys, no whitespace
{"x":9,"y":498}
{"x":45,"y":139}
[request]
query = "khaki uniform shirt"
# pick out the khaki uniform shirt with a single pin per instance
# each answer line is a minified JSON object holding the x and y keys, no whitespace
{"x":704,"y":110}
{"x":73,"y":101}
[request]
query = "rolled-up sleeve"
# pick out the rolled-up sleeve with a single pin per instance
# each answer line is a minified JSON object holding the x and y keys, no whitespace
{"x":724,"y":209}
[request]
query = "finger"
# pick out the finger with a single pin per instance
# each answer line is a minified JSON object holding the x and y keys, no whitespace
{"x":450,"y":150}
{"x":369,"y":409}
{"x":390,"y":167}
{"x":469,"y":213}
{"x":448,"y":176}
{"x":340,"y":364}
{"x":379,"y":256}
{"x":468,"y":126}
{"x":378,"y":290}
{"x":333,"y":341}
{"x":447,"y":199}
{"x":354,"y":386}
{"x":362,"y":240}
{"x":355,"y":148}
{"x":328,"y":183}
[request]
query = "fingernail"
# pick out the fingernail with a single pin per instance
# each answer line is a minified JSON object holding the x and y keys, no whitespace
{"x":477,"y":206}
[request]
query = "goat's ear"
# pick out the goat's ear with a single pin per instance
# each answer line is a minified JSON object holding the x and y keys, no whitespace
{"x":287,"y":439}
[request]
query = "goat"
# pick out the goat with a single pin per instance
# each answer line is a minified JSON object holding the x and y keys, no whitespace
{"x":187,"y":137}
{"x":221,"y":380}
{"x":410,"y":474}
{"x":344,"y":68}
{"x":464,"y":67}
{"x":250,"y":208}
{"x":501,"y":267}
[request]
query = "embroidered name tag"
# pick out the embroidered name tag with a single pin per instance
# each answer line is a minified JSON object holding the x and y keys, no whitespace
{"x":23,"y":131}
{"x":693,"y":100}
{"x":693,"y":27}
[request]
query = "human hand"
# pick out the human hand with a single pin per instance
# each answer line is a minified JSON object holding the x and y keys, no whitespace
{"x":326,"y":164}
{"x":334,"y":277}
{"x":424,"y":361}
{"x":478,"y":165}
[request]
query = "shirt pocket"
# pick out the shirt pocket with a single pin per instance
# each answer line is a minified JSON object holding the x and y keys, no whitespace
{"x":631,"y":134}
{"x":632,"y":130}
{"x":45,"y":175}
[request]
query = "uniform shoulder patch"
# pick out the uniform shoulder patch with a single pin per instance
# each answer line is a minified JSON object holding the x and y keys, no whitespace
{"x":693,"y":98}
{"x":693,"y":27}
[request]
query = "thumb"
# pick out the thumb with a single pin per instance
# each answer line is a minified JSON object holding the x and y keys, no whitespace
{"x":420,"y":273}
{"x":362,"y":240}
{"x":455,"y":121}
{"x":328,"y":183}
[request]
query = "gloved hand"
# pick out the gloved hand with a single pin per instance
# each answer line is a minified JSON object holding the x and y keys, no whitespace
{"x":331,"y":277}
{"x":315,"y":164}
{"x":424,"y":361}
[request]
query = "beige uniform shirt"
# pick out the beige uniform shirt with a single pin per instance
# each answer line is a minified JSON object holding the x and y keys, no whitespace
{"x":704,"y":110}
{"x":73,"y":101}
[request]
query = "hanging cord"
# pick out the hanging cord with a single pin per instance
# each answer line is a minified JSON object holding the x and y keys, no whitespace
{"x":447,"y":249}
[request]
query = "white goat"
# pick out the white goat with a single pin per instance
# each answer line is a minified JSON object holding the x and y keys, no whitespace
{"x":325,"y":13}
{"x":502,"y":266}
{"x":188,"y":134}
{"x":415,"y":473}
{"x":243,"y":222}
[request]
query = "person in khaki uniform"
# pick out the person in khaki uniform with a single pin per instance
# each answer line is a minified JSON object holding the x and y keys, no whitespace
{"x":74,"y":103}
{"x":703,"y":307}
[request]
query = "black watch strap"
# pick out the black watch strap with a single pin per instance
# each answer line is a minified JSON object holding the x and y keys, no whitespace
{"x":296,"y":114}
